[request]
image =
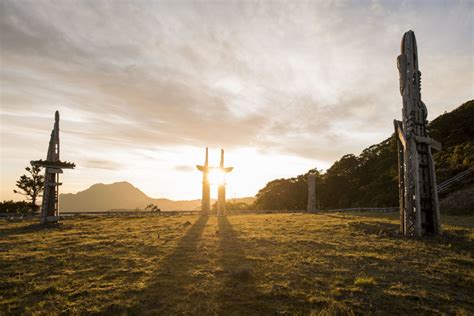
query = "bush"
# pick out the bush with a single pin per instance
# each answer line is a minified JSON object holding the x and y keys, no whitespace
{"x":153,"y":208}
{"x":21,"y":207}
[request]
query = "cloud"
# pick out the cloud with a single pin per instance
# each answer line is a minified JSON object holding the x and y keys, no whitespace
{"x":102,"y":164}
{"x":311,"y":79}
{"x":184,"y":168}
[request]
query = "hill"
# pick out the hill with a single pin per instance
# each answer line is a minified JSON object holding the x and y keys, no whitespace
{"x":371,"y":179}
{"x":122,"y":196}
{"x":118,"y":195}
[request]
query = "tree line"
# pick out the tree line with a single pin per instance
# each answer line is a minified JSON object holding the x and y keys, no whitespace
{"x":371,"y":178}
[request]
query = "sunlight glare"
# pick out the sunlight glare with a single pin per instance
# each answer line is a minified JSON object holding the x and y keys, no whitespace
{"x":217,"y":176}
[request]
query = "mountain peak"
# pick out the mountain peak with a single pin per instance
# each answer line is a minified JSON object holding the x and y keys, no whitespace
{"x":116,"y":184}
{"x":118,"y":195}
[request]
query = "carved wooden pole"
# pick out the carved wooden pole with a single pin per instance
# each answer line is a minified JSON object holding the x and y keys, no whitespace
{"x":312,"y":193}
{"x":221,"y":188}
{"x":53,"y":167}
{"x":419,"y":208}
{"x":206,"y":186}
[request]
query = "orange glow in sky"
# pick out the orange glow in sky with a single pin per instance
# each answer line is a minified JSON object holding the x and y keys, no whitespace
{"x":143,"y":87}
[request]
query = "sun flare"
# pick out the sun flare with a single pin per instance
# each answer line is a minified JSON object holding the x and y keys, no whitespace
{"x":217,"y":176}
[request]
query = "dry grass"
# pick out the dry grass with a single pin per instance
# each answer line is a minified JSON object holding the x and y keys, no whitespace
{"x":325,"y":264}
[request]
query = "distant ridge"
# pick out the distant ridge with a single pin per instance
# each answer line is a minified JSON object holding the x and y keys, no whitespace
{"x":117,"y":196}
{"x":121,"y":196}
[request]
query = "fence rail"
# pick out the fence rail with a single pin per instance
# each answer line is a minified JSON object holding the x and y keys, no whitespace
{"x":445,"y":185}
{"x":364,"y":209}
{"x":130,"y":213}
{"x":112,"y":213}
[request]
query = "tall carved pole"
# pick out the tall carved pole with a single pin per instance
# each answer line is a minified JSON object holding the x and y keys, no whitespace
{"x":53,"y":166}
{"x":312,"y":193}
{"x":206,"y":186}
{"x":221,"y":188}
{"x":419,"y":208}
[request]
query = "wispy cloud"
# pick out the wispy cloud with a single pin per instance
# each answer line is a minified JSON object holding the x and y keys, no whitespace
{"x":102,"y":164}
{"x":313,"y":80}
{"x":184,"y":168}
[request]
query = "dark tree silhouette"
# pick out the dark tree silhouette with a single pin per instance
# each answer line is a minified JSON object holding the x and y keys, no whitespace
{"x":31,"y":185}
{"x":152,"y":208}
{"x":371,"y":178}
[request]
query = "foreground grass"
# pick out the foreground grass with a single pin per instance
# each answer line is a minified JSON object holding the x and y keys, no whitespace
{"x":244,"y":264}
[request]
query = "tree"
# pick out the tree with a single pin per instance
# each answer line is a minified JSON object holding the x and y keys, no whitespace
{"x":20,"y":207}
{"x":233,"y":206}
{"x":31,"y":185}
{"x":152,"y":208}
{"x":286,"y":194}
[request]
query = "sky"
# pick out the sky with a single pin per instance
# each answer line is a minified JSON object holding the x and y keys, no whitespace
{"x":143,"y":87}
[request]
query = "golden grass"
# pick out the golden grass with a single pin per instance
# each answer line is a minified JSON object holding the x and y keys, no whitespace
{"x":324,"y":264}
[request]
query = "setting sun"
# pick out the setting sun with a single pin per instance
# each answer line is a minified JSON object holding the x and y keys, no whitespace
{"x":217,"y":176}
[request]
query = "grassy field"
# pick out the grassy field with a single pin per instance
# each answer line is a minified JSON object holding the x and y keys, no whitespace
{"x":322,"y":264}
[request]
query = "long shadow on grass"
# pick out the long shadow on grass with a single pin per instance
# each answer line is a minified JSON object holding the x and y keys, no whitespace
{"x":376,"y":228}
{"x":457,"y":239}
{"x":239,"y":293}
{"x":33,"y":228}
{"x":167,"y":288}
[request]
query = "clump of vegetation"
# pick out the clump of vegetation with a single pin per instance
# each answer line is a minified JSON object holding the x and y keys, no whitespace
{"x":152,"y":208}
{"x":334,"y":308}
{"x":242,"y":273}
{"x":365,"y":281}
{"x":11,"y":207}
{"x":233,"y":206}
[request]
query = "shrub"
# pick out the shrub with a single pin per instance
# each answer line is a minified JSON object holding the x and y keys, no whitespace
{"x":21,"y":207}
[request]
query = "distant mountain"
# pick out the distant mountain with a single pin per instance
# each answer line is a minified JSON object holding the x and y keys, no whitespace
{"x":121,"y":196}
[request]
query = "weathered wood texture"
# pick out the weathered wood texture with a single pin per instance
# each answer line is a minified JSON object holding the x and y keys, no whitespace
{"x":206,"y":186}
{"x":53,"y":167}
{"x":312,"y":208}
{"x":419,"y":209}
{"x":221,"y":188}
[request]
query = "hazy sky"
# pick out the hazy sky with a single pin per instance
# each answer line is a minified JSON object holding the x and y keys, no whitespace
{"x":144,"y":86}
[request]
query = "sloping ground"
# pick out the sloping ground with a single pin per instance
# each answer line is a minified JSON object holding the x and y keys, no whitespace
{"x":241,"y":264}
{"x":460,"y":201}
